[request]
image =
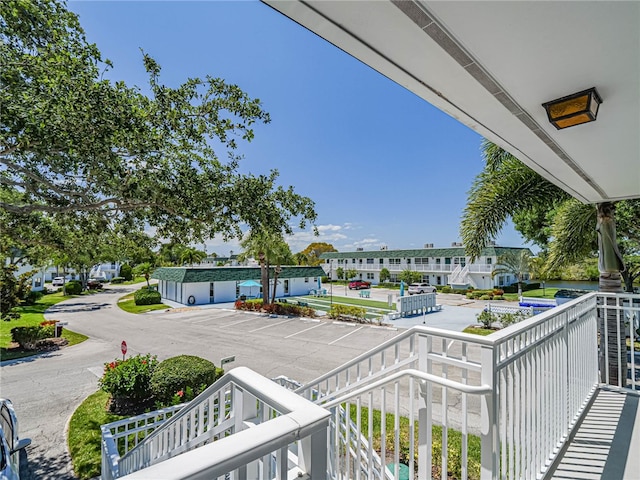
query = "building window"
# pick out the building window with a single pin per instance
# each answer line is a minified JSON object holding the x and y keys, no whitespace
{"x":489,"y":260}
{"x":381,"y":261}
{"x":306,"y":279}
{"x":438,"y":263}
{"x":447,"y":261}
{"x":360,"y":260}
{"x":394,"y":261}
{"x":353,"y":260}
{"x":370,"y":276}
{"x":369,"y":261}
{"x":408,"y":261}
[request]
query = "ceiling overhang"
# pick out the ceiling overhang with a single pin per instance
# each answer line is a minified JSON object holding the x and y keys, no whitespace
{"x":492,"y":65}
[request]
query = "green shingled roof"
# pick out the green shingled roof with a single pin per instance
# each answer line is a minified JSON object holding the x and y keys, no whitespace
{"x":419,"y":253}
{"x":225,"y":274}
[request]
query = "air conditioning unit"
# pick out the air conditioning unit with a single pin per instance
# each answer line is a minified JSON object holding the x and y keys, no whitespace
{"x":428,"y":245}
{"x":384,"y":247}
{"x":359,"y":249}
{"x":456,"y":244}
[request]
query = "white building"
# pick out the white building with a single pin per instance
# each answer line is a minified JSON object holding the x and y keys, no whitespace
{"x":439,"y":266}
{"x":198,"y":286}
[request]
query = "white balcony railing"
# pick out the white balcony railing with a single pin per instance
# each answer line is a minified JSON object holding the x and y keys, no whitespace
{"x":509,"y":401}
{"x":263,"y":431}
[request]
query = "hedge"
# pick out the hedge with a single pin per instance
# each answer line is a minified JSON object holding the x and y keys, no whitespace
{"x":182,"y":373}
{"x":144,"y":296}
{"x":74,"y":287}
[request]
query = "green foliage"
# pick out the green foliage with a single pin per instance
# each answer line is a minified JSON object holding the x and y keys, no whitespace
{"x":347,"y":312}
{"x":177,"y":374}
{"x":340,"y":273}
{"x":384,"y":275}
{"x":116,"y":280}
{"x":32,"y":297}
{"x":126,"y":272}
{"x":507,"y":319}
{"x":12,"y":290}
{"x":447,"y":289}
{"x":96,"y":155}
{"x":128,"y":382}
{"x":147,"y":296}
{"x":314,"y":250}
{"x":410,"y":276}
{"x":350,"y":273}
{"x":27,"y":337}
{"x":486,"y":318}
{"x":73,"y":287}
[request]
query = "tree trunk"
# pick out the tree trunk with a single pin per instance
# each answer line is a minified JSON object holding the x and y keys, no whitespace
{"x":264,"y":278}
{"x":611,"y":320}
{"x":276,"y":272}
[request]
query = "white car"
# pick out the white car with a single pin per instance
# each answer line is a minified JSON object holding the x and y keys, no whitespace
{"x":10,"y":443}
{"x":417,"y":288}
{"x":57,"y":282}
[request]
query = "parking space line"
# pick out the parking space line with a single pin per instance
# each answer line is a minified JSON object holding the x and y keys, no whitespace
{"x":236,"y":323}
{"x":271,"y":325}
{"x":345,"y":336}
{"x":305,"y":330}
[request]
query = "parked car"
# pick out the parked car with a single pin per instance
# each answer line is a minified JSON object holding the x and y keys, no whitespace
{"x":10,"y":442}
{"x":57,"y":282}
{"x":421,"y":288}
{"x":94,"y":283}
{"x":359,"y":284}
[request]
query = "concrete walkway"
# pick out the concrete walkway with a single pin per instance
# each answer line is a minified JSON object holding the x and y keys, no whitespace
{"x":606,"y":444}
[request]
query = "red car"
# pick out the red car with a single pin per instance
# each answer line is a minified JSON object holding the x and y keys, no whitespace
{"x":359,"y":284}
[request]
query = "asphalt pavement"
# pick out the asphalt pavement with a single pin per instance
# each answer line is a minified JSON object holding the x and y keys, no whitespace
{"x":47,"y":388}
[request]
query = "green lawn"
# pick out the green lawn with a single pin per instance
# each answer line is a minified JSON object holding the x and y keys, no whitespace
{"x":127,"y":304}
{"x":375,"y":308}
{"x":478,"y":331}
{"x":85,"y":435}
{"x":548,"y":293}
{"x":30,"y":316}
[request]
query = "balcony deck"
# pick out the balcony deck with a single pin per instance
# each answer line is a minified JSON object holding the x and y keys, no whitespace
{"x":606,"y":445}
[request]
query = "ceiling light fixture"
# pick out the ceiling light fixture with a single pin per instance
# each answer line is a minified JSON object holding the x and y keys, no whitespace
{"x":575,"y":109}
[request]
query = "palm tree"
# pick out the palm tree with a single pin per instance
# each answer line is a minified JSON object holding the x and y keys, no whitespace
{"x":513,"y":262}
{"x":145,"y":269}
{"x":301,"y":258}
{"x":507,"y":188}
{"x":270,"y":249}
{"x":190,"y":256}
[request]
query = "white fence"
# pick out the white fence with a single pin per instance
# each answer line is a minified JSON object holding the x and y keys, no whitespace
{"x":442,"y":403}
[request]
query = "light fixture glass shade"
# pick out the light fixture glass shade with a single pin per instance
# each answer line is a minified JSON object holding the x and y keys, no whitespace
{"x":575,"y":109}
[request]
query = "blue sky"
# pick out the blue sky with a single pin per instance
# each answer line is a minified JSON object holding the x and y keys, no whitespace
{"x":383,"y":166}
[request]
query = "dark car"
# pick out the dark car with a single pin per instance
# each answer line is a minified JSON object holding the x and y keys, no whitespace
{"x":359,"y":284}
{"x":94,"y":283}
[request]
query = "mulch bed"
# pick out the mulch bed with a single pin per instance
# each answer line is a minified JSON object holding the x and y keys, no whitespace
{"x":45,"y":345}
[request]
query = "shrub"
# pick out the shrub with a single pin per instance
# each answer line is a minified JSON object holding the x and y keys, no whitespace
{"x":347,"y":312}
{"x":73,"y":287}
{"x":127,"y":381}
{"x":498,"y":291}
{"x":32,"y":297}
{"x":486,"y":318}
{"x":486,"y":297}
{"x":27,"y":337}
{"x":145,"y":296}
{"x":126,"y":272}
{"x":446,"y":289}
{"x":507,"y":319}
{"x":117,"y":280}
{"x":185,"y":373}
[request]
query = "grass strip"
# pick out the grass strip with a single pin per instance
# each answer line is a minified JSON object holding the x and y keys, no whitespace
{"x":85,"y":435}
{"x":454,"y":442}
{"x":131,"y":307}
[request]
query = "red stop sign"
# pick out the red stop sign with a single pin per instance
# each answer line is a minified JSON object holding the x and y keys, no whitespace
{"x":123,"y":347}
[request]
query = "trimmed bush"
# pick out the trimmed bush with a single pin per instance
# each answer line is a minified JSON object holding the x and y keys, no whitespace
{"x":446,"y":289}
{"x":144,"y":296}
{"x":32,"y":297}
{"x":184,"y":373}
{"x":126,"y":272}
{"x":347,"y":312}
{"x":73,"y":287}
